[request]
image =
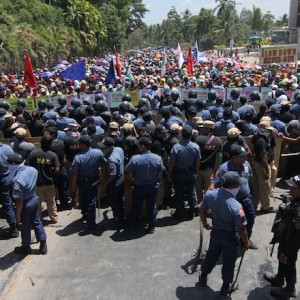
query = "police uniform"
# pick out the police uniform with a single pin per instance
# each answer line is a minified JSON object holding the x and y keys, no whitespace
{"x":289,"y":245}
{"x":227,"y":216}
{"x":184,"y":164}
{"x":85,"y":166}
{"x":144,"y":169}
{"x":24,"y":184}
{"x":115,"y":177}
{"x":6,"y":177}
{"x":244,"y":194}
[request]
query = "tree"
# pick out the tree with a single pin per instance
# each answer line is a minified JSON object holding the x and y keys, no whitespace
{"x":257,"y":23}
{"x":268,"y":22}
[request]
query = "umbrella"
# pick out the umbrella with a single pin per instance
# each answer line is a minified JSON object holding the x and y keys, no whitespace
{"x":46,"y":74}
{"x":64,"y":62}
{"x":101,"y":69}
{"x":59,"y":66}
{"x":247,"y":66}
{"x":102,"y":62}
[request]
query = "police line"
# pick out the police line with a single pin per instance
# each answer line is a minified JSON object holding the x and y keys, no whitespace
{"x":113,"y":99}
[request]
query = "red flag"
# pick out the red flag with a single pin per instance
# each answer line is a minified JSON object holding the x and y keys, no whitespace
{"x":118,"y":65}
{"x":190,"y":62}
{"x":29,"y":77}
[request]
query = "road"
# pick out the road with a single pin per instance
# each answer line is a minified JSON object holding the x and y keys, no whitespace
{"x":127,"y":264}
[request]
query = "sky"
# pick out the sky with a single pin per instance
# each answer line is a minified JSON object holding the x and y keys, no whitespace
{"x":158,"y":9}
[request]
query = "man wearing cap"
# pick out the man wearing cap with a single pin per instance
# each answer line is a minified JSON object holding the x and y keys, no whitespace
{"x":264,"y":154}
{"x":143,"y":173}
{"x":210,"y":146}
{"x":228,"y":217}
{"x":6,"y":129}
{"x":113,"y":132}
{"x":201,"y":111}
{"x":217,"y":108}
{"x":84,"y":175}
{"x":289,"y":245}
{"x":46,"y":163}
{"x":183,"y":168}
{"x":114,"y":180}
{"x":27,"y":206}
{"x":238,"y":163}
{"x":20,"y":145}
{"x":276,"y":123}
{"x":63,"y":121}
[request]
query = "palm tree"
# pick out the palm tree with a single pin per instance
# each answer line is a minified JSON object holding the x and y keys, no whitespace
{"x":223,"y":6}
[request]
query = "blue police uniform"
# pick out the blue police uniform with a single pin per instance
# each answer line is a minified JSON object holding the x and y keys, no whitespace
{"x":184,"y":156}
{"x":244,"y":194}
{"x":49,"y":115}
{"x":227,"y":214}
{"x":173,"y":120}
{"x":24,"y":184}
{"x":235,"y":116}
{"x":6,"y":177}
{"x":99,"y":121}
{"x":86,"y":165}
{"x":63,"y":122}
{"x":280,"y":126}
{"x":221,"y":127}
{"x":204,"y":114}
{"x":99,"y":131}
{"x":246,"y":108}
{"x":250,"y":129}
{"x":115,"y":189}
{"x":5,"y":151}
{"x":295,"y":109}
{"x":144,"y":167}
{"x":215,"y":110}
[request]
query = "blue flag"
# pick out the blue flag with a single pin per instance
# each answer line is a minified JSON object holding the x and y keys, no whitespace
{"x":111,"y":73}
{"x":75,"y":72}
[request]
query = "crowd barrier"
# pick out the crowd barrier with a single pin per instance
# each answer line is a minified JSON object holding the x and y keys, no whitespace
{"x":113,"y":99}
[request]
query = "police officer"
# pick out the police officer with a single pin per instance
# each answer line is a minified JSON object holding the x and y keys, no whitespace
{"x":289,"y":245}
{"x":114,"y":182}
{"x":227,"y":217}
{"x":183,"y":167}
{"x":27,"y":206}
{"x":239,"y":164}
{"x":7,"y":174}
{"x":143,"y":173}
{"x":85,"y":172}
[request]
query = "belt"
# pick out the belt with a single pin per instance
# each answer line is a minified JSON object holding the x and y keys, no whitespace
{"x":190,"y":168}
{"x":243,"y":199}
{"x":87,"y":178}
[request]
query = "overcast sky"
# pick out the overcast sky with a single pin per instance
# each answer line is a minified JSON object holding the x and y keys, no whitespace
{"x":158,"y":9}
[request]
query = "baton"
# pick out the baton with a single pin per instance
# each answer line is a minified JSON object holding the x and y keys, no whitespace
{"x":200,"y":249}
{"x":237,"y":274}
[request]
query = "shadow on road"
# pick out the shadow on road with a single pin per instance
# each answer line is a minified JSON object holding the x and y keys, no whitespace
{"x":198,"y":292}
{"x":9,"y":260}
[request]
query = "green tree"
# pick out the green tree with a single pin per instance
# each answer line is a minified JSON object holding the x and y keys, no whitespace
{"x":257,"y":22}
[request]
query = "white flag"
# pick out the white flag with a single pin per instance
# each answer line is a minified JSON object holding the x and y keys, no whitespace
{"x":164,"y":64}
{"x":180,"y":57}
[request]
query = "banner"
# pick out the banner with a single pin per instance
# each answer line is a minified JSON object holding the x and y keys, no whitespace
{"x":30,"y":104}
{"x":248,"y":90}
{"x":116,"y":99}
{"x":285,"y":54}
{"x":134,"y":97}
{"x":228,"y":92}
{"x":264,"y":93}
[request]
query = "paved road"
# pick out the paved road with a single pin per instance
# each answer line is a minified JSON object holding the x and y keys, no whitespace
{"x":118,"y":264}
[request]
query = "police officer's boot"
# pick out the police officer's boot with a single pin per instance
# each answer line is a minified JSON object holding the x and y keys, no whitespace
{"x":43,"y":248}
{"x":203,"y":279}
{"x":284,"y":293}
{"x":276,"y":280}
{"x":12,"y":232}
{"x":228,"y":288}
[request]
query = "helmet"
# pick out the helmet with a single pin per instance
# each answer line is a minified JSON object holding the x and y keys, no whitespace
{"x":255,"y":96}
{"x":21,"y":102}
{"x":75,"y":102}
{"x":175,"y":95}
{"x":126,"y":97}
{"x":42,"y":104}
{"x":101,"y":106}
{"x":192,"y":94}
{"x":235,"y":93}
{"x":62,"y":100}
{"x":124,"y":106}
{"x":147,"y":96}
{"x":279,"y":92}
{"x":87,"y":100}
{"x":212,"y":95}
{"x":99,"y":96}
{"x":5,"y":105}
{"x":167,"y":91}
{"x":297,"y":96}
{"x":143,"y":102}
